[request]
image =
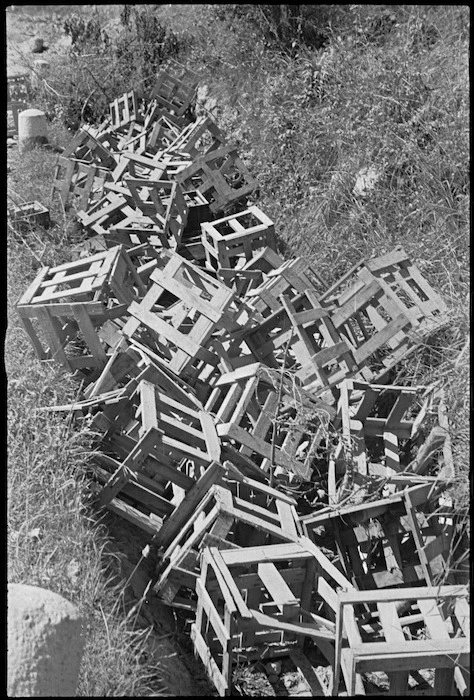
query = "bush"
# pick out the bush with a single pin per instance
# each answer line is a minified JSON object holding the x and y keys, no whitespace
{"x":97,"y":69}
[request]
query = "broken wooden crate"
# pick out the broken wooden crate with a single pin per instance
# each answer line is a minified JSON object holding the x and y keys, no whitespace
{"x":289,"y":277}
{"x":232,"y":241}
{"x":78,"y":183}
{"x":301,"y":336}
{"x":380,"y":426}
{"x":385,"y":308}
{"x":127,"y":491}
{"x":24,"y":216}
{"x":108,"y":211}
{"x":197,"y":139}
{"x":175,"y":94}
{"x":67,"y":303}
{"x":259,"y":598}
{"x":394,"y":540}
{"x":163,"y":202}
{"x":258,"y":422}
{"x":220,"y":176}
{"x":86,"y":147}
{"x":124,"y":110}
{"x":228,"y":516}
{"x":183,"y":307}
{"x":440,"y":613}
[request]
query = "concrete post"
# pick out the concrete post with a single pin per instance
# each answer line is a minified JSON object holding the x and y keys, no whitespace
{"x":32,"y":129}
{"x":45,"y":644}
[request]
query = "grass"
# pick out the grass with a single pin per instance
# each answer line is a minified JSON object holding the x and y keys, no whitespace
{"x":306,"y":124}
{"x":55,"y":540}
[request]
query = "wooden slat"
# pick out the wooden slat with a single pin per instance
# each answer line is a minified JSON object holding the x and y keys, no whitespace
{"x":315,"y":686}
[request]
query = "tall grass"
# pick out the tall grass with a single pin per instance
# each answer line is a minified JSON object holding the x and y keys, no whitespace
{"x":54,"y":539}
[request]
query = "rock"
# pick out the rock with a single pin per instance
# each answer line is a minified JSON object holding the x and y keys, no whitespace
{"x":45,"y":643}
{"x":366,"y":180}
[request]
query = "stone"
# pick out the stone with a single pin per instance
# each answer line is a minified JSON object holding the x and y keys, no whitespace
{"x":32,"y":129}
{"x":45,"y":643}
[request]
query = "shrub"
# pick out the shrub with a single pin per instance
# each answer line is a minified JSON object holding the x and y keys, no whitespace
{"x":97,"y":68}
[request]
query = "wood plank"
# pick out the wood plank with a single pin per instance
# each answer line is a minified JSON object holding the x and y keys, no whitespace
{"x":393,"y":632}
{"x":300,"y":628}
{"x":387,"y":595}
{"x":432,"y":653}
{"x":279,"y":590}
{"x":399,"y":323}
{"x":176,"y":521}
{"x":213,"y":443}
{"x":287,"y":518}
{"x":226,"y":581}
{"x":315,"y":686}
{"x":210,"y":665}
{"x":277,"y":552}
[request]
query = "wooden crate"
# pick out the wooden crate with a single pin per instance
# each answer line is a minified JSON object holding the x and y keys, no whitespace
{"x":173,"y":429}
{"x":106,"y":212}
{"x":380,"y":425}
{"x":73,"y":300}
{"x":124,"y":110}
{"x":442,"y":611}
{"x":233,"y":240}
{"x":140,"y":499}
{"x":18,"y":87}
{"x":290,"y":277}
{"x":197,"y":306}
{"x":161,"y":131}
{"x":127,"y":363}
{"x":174,"y":94}
{"x":257,"y":600}
{"x":198,"y":138}
{"x":316,"y":353}
{"x":385,"y":307}
{"x":255,"y":408}
{"x":220,"y":176}
{"x":252,"y":274}
{"x":86,"y":147}
{"x":78,"y":183}
{"x":396,"y":540}
{"x":226,"y":520}
{"x":163,"y":202}
{"x":24,"y":216}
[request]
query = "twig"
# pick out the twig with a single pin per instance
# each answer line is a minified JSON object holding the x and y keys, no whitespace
{"x":280,"y":391}
{"x":465,"y":347}
{"x":17,"y":233}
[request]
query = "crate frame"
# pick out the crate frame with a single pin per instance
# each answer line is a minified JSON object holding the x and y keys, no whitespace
{"x":208,"y":174}
{"x":225,"y":250}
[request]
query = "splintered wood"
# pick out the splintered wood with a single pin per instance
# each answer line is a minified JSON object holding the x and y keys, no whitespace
{"x":243,"y":411}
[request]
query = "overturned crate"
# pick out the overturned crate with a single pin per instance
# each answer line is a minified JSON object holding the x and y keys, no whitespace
{"x":233,"y":240}
{"x":64,"y":307}
{"x":221,"y":177}
{"x":385,"y":308}
{"x":77,"y":183}
{"x":258,"y":598}
{"x":182,"y":309}
{"x":231,"y":515}
{"x":396,"y":540}
{"x":263,"y":419}
{"x":383,"y":641}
